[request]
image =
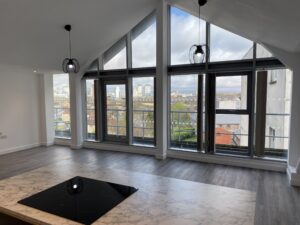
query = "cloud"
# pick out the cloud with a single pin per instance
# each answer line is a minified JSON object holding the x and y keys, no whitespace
{"x":184,"y":83}
{"x":144,"y":48}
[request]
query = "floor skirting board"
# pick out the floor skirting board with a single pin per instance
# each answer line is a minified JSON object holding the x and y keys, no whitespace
{"x":19,"y":148}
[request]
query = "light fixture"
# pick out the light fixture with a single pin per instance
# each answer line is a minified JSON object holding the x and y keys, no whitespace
{"x":70,"y":65}
{"x":199,"y":53}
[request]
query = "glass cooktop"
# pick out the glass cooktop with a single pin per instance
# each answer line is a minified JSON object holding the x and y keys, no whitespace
{"x":80,"y":199}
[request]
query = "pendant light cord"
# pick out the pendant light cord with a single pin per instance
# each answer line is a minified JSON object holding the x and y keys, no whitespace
{"x":199,"y":24}
{"x":70,"y":51}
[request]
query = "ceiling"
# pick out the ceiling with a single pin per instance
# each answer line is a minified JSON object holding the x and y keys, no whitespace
{"x":32,"y":34}
{"x":31,"y":31}
{"x":272,"y":22}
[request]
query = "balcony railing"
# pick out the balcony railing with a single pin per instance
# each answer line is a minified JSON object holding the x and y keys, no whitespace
{"x":62,"y":126}
{"x":183,"y":129}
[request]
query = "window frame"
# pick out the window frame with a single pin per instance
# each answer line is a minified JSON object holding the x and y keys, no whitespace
{"x":235,"y":66}
{"x":54,"y":108}
{"x":246,"y":112}
{"x":106,"y":136}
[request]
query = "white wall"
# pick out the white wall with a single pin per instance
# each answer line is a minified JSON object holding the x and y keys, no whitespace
{"x":19,"y":108}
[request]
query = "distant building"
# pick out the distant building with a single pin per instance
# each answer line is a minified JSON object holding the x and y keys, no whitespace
{"x":279,"y":85}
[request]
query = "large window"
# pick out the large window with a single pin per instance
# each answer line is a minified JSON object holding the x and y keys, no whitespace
{"x":143,"y":110}
{"x":218,"y":107}
{"x":62,"y":118}
{"x":184,"y":34}
{"x":184,"y":111}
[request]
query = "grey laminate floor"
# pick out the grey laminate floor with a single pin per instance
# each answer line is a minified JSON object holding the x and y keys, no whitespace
{"x":277,"y":202}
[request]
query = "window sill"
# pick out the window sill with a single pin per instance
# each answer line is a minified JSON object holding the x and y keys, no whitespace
{"x":230,"y":160}
{"x":120,"y":147}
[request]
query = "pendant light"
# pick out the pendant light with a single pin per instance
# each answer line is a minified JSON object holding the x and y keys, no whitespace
{"x":70,"y":65}
{"x":198,"y":53}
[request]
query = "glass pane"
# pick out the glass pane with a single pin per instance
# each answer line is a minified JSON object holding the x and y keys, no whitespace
{"x":62,"y":118}
{"x":227,"y":46}
{"x":183,"y":127}
{"x":143,"y":110}
{"x":232,"y":132}
{"x":90,"y":110}
{"x":116,"y":56}
{"x":116,"y":109}
{"x":231,"y":92}
{"x":144,"y":46}
{"x":184,"y":34}
{"x":278,"y":110}
{"x":262,"y":52}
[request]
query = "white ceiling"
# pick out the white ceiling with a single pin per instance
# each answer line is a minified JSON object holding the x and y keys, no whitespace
{"x":32,"y":34}
{"x":31,"y":31}
{"x":272,"y":22}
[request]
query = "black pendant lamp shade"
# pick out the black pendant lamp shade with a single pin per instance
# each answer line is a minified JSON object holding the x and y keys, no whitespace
{"x":70,"y":65}
{"x":199,"y":53}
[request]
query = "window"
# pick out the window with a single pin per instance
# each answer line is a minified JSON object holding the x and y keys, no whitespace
{"x":62,"y":118}
{"x":278,"y":105}
{"x":232,"y":113}
{"x":184,"y":112}
{"x":115,"y":111}
{"x":143,"y":110}
{"x":91,"y":110}
{"x":184,"y":34}
{"x":220,"y":112}
{"x":225,"y":46}
{"x":231,"y":92}
{"x":232,"y":132}
{"x":144,"y":43}
{"x":115,"y":57}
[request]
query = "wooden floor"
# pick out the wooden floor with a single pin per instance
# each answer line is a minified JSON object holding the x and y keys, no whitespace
{"x":277,"y":202}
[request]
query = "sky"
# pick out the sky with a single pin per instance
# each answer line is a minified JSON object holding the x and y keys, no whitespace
{"x":60,"y":80}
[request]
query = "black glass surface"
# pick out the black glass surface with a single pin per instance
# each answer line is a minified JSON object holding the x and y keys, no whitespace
{"x":80,"y":199}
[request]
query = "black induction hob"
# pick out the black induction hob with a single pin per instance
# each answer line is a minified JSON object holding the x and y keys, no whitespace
{"x":80,"y":199}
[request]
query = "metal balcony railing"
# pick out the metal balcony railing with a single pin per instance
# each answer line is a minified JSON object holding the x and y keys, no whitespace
{"x":183,"y":127}
{"x":62,"y":126}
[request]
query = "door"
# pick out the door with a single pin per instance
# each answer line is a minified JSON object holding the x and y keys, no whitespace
{"x":116,"y":112}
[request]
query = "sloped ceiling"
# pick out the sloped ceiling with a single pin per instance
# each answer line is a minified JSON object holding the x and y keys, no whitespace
{"x":32,"y":34}
{"x":31,"y":31}
{"x":272,"y":22}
